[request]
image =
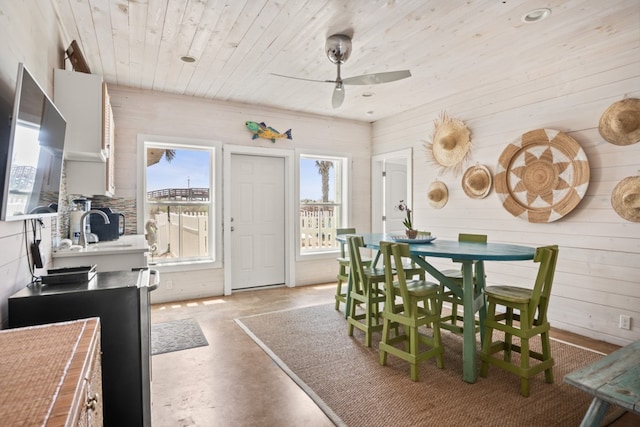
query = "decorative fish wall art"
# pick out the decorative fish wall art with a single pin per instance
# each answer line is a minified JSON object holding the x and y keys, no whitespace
{"x":261,"y":130}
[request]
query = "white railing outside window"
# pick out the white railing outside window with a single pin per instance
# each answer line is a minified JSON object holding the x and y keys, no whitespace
{"x":181,"y":235}
{"x":323,"y":202}
{"x":317,"y":228}
{"x":181,"y":193}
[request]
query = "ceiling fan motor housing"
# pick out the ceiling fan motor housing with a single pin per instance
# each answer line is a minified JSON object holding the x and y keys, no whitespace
{"x":338,"y":48}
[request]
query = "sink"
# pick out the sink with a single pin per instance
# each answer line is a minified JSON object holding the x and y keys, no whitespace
{"x":128,"y":252}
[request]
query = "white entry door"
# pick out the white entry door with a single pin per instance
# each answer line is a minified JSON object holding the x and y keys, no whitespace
{"x":257,"y":221}
{"x":395,"y":189}
{"x":391,"y":182}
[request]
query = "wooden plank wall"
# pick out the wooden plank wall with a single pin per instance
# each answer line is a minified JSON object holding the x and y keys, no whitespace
{"x":38,"y":45}
{"x":152,"y":113}
{"x":597,"y":277}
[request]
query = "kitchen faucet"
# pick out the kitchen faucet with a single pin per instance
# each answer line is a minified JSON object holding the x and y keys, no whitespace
{"x":82,"y":241}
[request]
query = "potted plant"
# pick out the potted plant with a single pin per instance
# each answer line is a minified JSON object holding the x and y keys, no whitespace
{"x":408,"y":222}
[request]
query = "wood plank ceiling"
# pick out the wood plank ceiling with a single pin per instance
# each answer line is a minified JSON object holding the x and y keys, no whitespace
{"x":451,"y":47}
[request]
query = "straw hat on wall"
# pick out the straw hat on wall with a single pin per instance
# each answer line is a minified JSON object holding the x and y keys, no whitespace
{"x":438,"y":194}
{"x":451,"y":142}
{"x":476,"y":182}
{"x":625,"y":198}
{"x":620,"y":123}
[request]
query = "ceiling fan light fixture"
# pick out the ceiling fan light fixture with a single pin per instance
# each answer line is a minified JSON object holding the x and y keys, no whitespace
{"x":338,"y":49}
{"x":188,"y":59}
{"x":536,"y":15}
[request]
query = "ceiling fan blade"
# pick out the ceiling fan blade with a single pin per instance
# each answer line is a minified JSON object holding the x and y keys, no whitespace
{"x":377,"y":78}
{"x":300,"y":78}
{"x":338,"y":96}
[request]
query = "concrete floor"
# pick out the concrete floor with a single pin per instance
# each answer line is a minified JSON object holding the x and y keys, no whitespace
{"x":232,"y":382}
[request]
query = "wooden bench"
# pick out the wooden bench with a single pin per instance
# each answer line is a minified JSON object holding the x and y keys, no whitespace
{"x":613,"y":379}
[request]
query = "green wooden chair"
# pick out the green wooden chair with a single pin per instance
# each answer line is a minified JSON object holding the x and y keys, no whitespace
{"x":367,"y":294}
{"x":343,"y":268}
{"x":419,"y":307}
{"x":531,"y":316}
{"x":411,"y":269}
{"x":450,"y":321}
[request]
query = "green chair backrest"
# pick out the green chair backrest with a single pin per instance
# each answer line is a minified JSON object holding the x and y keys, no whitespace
{"x":400,"y":251}
{"x":354,"y":244}
{"x":343,"y":246}
{"x":393,"y":253}
{"x":385,"y":250}
{"x":478,"y":238}
{"x":547,"y":256}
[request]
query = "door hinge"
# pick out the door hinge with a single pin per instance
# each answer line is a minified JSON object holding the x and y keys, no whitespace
{"x":384,"y":173}
{"x":384,"y":217}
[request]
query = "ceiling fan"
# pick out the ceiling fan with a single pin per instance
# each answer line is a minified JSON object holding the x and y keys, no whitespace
{"x":338,"y":49}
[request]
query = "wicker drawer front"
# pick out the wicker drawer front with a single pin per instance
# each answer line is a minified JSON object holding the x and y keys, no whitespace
{"x":49,"y":374}
{"x":90,"y":412}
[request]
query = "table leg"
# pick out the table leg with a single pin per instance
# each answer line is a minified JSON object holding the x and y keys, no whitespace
{"x":470,"y":367}
{"x":471,"y":305}
{"x":595,"y":413}
{"x":480,"y":297}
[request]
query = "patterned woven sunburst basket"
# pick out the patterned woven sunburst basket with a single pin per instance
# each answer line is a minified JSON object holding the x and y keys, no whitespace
{"x":542,"y":175}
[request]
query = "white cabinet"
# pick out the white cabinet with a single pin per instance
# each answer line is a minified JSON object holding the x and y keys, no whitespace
{"x":84,"y":102}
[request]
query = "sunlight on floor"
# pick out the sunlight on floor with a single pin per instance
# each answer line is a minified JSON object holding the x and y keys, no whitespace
{"x":191,"y":304}
{"x":329,"y":285}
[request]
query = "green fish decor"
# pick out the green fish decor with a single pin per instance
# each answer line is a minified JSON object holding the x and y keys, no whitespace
{"x":261,"y":130}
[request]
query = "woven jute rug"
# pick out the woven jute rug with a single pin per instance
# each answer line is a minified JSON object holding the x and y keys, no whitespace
{"x":345,"y":379}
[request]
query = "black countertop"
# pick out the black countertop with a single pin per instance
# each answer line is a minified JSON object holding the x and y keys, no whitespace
{"x":101,"y":281}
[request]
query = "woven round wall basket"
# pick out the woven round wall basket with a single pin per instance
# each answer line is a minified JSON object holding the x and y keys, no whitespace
{"x":542,"y":176}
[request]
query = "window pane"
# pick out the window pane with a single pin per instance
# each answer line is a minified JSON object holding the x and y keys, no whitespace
{"x":317,"y":180}
{"x":179,"y":202}
{"x":320,"y":203}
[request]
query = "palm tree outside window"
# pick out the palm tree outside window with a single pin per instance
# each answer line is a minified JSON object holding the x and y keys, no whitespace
{"x":322,"y":205}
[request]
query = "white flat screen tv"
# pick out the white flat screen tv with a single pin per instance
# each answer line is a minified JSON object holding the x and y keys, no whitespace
{"x":31,"y":157}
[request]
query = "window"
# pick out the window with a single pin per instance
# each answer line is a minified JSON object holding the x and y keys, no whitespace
{"x":323,"y":196}
{"x":180,"y":199}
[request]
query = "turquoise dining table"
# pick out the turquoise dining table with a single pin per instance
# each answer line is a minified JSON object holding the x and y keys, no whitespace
{"x":470,"y":255}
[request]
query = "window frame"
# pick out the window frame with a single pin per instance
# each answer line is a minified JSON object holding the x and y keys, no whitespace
{"x":345,"y":160}
{"x":215,"y":197}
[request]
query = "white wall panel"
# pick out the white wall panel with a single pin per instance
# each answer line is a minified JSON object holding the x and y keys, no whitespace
{"x":143,"y":112}
{"x":29,"y":35}
{"x":598,"y":272}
